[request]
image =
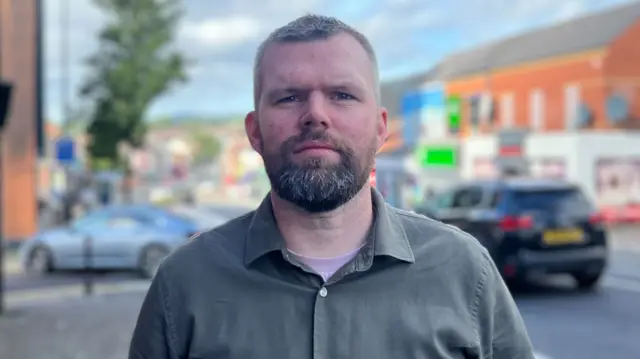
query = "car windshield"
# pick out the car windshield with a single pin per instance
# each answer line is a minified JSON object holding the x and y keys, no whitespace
{"x":566,"y":199}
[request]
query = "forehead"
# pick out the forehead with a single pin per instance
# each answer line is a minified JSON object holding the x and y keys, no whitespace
{"x":338,"y":58}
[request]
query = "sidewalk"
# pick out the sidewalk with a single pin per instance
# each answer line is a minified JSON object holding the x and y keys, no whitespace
{"x":98,"y":328}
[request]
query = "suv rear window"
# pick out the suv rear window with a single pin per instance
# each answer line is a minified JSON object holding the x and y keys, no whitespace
{"x":565,"y":199}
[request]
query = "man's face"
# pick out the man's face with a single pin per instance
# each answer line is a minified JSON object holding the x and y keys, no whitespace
{"x":317,"y":124}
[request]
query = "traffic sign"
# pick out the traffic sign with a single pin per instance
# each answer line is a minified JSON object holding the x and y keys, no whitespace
{"x":65,"y":150}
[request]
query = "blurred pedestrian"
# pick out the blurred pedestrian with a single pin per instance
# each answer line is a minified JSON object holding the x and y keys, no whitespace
{"x":324,"y":268}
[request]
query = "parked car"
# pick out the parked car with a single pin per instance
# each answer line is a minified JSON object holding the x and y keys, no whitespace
{"x":529,"y":226}
{"x":120,"y":237}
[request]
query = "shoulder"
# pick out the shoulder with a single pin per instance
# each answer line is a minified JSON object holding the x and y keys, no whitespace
{"x":210,"y":250}
{"x":435,"y":243}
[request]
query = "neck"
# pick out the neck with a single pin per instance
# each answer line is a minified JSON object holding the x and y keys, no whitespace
{"x":325,"y":235}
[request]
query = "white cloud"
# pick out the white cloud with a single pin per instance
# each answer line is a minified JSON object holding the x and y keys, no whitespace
{"x":222,"y":32}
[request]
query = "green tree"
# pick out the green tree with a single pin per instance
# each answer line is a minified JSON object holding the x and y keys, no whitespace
{"x":135,"y":64}
{"x":208,"y":147}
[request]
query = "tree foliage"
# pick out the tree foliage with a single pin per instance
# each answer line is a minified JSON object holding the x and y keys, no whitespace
{"x":135,"y":65}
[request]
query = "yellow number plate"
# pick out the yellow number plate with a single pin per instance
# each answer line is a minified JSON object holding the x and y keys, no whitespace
{"x":566,"y":236}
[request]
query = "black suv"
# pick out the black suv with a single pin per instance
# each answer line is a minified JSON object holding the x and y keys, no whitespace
{"x":529,"y":226}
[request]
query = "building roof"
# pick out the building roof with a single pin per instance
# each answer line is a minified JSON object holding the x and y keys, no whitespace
{"x":586,"y":33}
{"x":467,"y":62}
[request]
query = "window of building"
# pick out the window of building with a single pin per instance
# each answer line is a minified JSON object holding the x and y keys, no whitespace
{"x":571,"y":105}
{"x":507,"y":110}
{"x":536,"y":109}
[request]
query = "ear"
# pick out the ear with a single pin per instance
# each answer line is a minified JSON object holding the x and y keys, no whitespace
{"x":252,"y":128}
{"x":382,"y":130}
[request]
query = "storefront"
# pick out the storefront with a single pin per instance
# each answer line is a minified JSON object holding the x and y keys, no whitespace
{"x":438,"y":164}
{"x":606,"y":165}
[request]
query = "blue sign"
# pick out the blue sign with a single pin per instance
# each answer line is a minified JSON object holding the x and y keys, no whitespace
{"x":65,"y":150}
{"x":411,"y":128}
{"x":617,"y":109}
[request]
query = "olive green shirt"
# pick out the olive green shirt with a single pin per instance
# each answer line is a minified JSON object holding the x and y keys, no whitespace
{"x":418,"y":289}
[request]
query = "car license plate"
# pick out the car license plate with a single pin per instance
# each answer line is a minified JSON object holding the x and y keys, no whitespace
{"x":563,"y":236}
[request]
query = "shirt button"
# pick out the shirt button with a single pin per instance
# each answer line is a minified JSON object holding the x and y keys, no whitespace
{"x":323,"y":292}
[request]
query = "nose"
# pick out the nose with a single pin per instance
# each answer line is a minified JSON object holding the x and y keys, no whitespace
{"x":316,"y":112}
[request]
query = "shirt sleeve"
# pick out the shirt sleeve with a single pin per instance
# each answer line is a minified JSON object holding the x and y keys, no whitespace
{"x":151,"y":336}
{"x":501,"y":329}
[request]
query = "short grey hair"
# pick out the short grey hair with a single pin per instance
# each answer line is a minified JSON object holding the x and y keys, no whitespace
{"x":312,"y":28}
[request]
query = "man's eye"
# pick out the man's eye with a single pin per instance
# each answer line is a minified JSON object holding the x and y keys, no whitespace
{"x":291,"y":98}
{"x":343,"y":96}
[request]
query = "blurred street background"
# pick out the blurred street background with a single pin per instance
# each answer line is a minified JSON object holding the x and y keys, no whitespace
{"x":122,"y":135}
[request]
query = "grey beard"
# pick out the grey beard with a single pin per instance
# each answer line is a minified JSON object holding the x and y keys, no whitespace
{"x":317,"y":190}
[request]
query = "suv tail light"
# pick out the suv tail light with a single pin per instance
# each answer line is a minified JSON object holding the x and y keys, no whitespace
{"x":515,"y":223}
{"x":596,"y":219}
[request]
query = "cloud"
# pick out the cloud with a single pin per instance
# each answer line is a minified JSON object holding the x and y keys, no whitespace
{"x":221,"y":38}
{"x":222,"y":32}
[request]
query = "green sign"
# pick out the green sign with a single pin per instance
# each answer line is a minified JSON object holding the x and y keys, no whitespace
{"x":454,"y":112}
{"x":437,"y":156}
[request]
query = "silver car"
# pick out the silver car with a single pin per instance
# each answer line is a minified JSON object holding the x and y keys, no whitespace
{"x":135,"y":237}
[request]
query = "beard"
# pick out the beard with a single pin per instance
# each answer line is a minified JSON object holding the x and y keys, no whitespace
{"x":315,"y":186}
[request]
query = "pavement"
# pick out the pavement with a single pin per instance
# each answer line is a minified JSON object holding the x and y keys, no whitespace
{"x":98,"y":328}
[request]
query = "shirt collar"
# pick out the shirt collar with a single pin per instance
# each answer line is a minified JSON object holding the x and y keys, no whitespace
{"x":390,"y":238}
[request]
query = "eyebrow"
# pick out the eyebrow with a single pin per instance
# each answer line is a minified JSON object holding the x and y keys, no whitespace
{"x":345,"y":85}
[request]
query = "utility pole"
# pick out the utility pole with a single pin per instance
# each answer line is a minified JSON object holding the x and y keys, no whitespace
{"x":65,"y":102}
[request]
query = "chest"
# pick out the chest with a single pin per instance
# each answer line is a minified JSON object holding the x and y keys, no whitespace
{"x":339,"y":321}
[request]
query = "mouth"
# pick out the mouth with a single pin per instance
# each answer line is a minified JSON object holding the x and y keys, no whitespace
{"x":313,"y":146}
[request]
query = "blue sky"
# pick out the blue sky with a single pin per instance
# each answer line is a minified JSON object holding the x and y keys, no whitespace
{"x":221,"y":36}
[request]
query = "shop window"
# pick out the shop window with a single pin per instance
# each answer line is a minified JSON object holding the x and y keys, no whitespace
{"x":507,"y":110}
{"x":571,"y":105}
{"x":536,"y":110}
{"x":474,"y":112}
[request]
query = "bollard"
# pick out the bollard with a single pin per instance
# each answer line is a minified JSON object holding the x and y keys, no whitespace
{"x":88,"y":265}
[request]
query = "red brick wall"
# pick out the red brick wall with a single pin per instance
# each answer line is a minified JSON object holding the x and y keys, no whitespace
{"x":551,"y":76}
{"x":18,"y":64}
{"x":622,"y":69}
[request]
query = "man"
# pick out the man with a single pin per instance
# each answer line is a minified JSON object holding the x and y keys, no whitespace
{"x":324,"y":268}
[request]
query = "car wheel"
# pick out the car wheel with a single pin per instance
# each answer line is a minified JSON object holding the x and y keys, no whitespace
{"x":150,"y":260}
{"x":40,"y":261}
{"x":587,"y":281}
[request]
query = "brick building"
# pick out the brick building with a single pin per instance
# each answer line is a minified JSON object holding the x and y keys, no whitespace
{"x":573,"y":88}
{"x":553,"y":79}
{"x":19,"y":64}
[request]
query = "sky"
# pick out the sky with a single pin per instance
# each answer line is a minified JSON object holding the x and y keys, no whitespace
{"x":220,"y":38}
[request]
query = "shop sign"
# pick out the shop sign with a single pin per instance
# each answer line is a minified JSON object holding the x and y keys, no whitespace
{"x":437,"y":156}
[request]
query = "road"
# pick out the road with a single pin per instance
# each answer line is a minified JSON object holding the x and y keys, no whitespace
{"x":563,"y":323}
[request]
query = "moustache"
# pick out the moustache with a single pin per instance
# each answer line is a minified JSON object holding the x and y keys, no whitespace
{"x":323,"y":137}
